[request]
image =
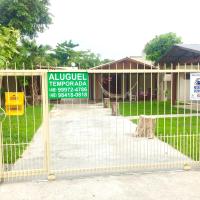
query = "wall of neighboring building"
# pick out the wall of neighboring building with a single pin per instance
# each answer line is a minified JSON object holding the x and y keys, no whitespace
{"x":183,"y":88}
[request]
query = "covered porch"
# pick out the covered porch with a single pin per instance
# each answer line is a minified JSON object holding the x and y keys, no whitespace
{"x":123,"y":85}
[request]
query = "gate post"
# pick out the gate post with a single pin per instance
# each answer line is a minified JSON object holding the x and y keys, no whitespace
{"x":2,"y":118}
{"x":47,"y":154}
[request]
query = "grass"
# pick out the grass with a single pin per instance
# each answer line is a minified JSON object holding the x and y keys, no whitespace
{"x":181,"y":133}
{"x":18,"y":131}
{"x":148,"y":108}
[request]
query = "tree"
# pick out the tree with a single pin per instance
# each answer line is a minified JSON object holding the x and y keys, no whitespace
{"x":8,"y":44}
{"x":159,"y":45}
{"x":65,"y":52}
{"x":8,"y":47}
{"x":32,"y":55}
{"x":87,"y":59}
{"x":28,"y":16}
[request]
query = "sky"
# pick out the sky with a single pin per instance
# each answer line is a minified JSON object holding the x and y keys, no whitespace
{"x":120,"y":28}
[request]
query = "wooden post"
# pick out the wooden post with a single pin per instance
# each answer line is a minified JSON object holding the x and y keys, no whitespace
{"x":106,"y":103}
{"x":174,"y":86}
{"x":97,"y":88}
{"x":146,"y":126}
{"x":160,"y":87}
{"x":115,"y":108}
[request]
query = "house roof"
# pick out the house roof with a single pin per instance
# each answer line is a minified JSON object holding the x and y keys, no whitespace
{"x":182,"y":54}
{"x":56,"y":68}
{"x":118,"y":63}
{"x":191,"y":47}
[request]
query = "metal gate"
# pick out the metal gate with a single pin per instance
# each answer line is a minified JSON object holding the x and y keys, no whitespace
{"x":24,"y":123}
{"x":134,"y":119}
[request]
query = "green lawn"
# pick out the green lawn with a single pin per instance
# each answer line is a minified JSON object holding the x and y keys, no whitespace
{"x":181,"y":133}
{"x":18,"y":131}
{"x":148,"y":108}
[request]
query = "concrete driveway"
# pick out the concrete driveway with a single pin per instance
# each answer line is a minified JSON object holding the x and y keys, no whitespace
{"x":156,"y":186}
{"x":88,"y":136}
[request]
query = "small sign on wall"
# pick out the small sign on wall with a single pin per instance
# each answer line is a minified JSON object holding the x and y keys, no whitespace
{"x":194,"y":86}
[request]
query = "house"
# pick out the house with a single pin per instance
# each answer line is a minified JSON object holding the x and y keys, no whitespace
{"x":117,"y":81}
{"x":181,"y":56}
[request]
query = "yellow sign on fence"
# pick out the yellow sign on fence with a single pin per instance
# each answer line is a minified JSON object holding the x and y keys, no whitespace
{"x":14,"y":103}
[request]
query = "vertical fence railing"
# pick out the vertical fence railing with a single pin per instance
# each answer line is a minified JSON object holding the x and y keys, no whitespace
{"x":174,"y":113}
{"x":21,"y":157}
{"x":154,"y":124}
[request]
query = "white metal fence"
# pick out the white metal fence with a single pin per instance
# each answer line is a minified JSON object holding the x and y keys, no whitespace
{"x":134,"y":119}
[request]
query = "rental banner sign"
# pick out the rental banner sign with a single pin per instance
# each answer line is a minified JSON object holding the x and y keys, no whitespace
{"x":67,"y":85}
{"x":194,"y":86}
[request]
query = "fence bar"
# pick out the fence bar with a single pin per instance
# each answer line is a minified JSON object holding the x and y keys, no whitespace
{"x":97,"y":140}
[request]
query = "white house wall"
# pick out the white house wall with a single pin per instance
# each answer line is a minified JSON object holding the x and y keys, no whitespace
{"x":183,"y":89}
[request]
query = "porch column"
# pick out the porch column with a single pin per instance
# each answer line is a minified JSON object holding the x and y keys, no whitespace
{"x":123,"y":84}
{"x":97,"y":88}
{"x":129,"y":88}
{"x":174,"y":88}
{"x":160,"y":87}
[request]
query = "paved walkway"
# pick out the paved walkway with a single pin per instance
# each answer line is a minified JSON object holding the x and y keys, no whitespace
{"x":156,"y":186}
{"x":87,"y":136}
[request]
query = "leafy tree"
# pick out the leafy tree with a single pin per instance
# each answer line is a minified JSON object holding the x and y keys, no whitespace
{"x":106,"y":60}
{"x":159,"y":45}
{"x":28,"y":16}
{"x":8,"y":47}
{"x":32,"y":55}
{"x":65,"y":52}
{"x":8,"y":44}
{"x":86,"y":59}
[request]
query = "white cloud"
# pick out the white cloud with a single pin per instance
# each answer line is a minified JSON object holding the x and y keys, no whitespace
{"x":118,"y":28}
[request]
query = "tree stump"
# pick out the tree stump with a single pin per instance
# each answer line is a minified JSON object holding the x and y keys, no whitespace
{"x":146,"y":126}
{"x":106,"y":102}
{"x":115,"y":108}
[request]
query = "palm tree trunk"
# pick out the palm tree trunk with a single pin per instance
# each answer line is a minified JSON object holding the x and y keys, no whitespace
{"x":34,"y":90}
